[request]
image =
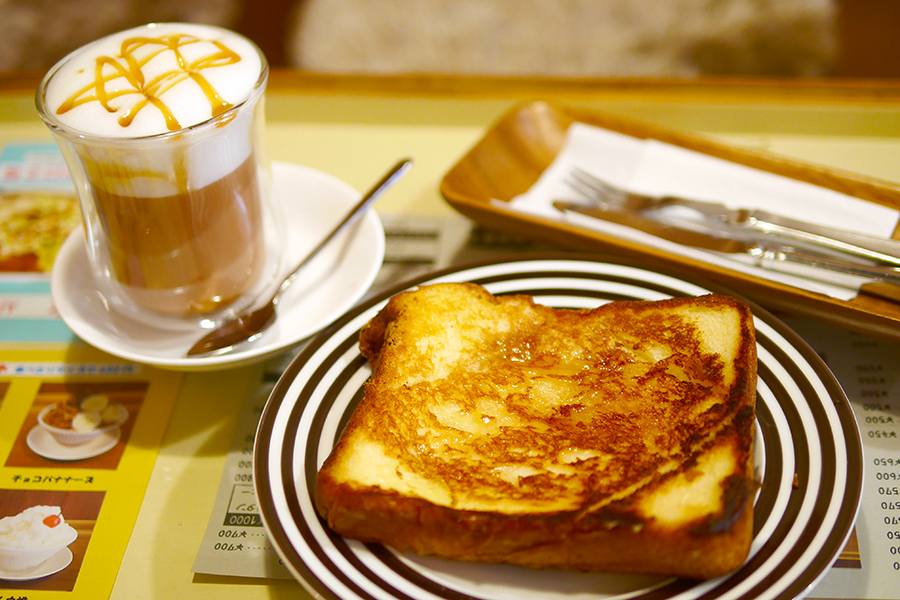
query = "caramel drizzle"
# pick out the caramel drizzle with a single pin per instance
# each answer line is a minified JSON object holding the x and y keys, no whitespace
{"x":129,"y":67}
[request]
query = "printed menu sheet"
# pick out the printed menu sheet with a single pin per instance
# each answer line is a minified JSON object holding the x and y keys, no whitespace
{"x":79,"y":429}
{"x":38,"y":210}
{"x":868,"y":369}
{"x":69,"y":496}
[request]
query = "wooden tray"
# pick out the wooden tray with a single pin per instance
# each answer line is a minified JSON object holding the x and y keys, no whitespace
{"x":514,"y":152}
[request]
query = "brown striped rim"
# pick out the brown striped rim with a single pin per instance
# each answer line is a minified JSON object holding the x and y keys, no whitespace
{"x":805,"y":375}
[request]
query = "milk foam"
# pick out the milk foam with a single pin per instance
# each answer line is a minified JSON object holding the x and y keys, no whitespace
{"x":187,"y":100}
{"x":135,"y":159}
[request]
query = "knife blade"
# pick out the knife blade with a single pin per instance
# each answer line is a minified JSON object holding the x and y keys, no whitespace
{"x":759,"y":224}
{"x":765,"y":254}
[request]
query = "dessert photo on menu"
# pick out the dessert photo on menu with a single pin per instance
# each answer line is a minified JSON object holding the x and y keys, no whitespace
{"x":44,"y":535}
{"x":33,"y":226}
{"x":78,"y":425}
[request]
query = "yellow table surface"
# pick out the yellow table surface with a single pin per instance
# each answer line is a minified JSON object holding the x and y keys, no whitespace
{"x":355,"y":128}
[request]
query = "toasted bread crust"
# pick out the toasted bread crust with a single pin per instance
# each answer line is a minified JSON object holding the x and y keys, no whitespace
{"x":495,"y":429}
{"x":558,"y":541}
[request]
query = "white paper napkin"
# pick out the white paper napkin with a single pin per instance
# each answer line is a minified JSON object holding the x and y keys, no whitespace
{"x":654,"y":167}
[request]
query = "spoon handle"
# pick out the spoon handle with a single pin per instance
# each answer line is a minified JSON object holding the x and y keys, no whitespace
{"x":369,"y":197}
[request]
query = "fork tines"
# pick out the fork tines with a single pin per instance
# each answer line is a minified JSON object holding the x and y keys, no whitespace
{"x":595,"y":189}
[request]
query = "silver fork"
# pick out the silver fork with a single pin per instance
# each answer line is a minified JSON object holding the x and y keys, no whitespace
{"x":746,"y":223}
{"x":607,"y":196}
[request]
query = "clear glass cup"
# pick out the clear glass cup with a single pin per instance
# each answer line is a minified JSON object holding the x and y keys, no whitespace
{"x":180,"y":223}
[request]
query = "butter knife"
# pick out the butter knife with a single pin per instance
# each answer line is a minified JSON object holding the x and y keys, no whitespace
{"x":751,"y":224}
{"x":764,"y":253}
{"x":760,"y":223}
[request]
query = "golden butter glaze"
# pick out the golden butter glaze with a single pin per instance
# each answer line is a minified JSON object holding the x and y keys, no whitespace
{"x":538,"y":409}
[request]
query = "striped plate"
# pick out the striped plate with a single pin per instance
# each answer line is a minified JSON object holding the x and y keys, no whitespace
{"x":809,"y":458}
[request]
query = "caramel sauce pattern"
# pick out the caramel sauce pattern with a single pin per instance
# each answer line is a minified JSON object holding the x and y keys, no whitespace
{"x":129,"y":67}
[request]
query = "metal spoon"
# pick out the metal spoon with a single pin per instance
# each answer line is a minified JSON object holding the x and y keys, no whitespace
{"x":250,"y":325}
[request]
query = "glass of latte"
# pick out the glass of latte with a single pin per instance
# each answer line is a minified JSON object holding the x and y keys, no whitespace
{"x":161,"y":128}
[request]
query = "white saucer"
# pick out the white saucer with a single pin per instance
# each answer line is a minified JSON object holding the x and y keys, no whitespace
{"x":332,"y":283}
{"x":54,"y":564}
{"x":42,"y":443}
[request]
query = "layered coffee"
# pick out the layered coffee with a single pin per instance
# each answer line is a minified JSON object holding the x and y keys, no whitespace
{"x":160,"y":127}
{"x":206,"y":250}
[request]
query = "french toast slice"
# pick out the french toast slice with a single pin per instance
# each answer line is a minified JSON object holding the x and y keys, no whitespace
{"x":495,"y":429}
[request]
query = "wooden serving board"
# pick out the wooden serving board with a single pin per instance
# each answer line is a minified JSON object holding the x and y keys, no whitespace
{"x":516,"y":150}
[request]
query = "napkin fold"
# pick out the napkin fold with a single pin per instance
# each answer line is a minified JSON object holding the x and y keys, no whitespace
{"x":657,"y":168}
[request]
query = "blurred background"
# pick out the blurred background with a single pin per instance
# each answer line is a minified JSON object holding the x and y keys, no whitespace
{"x":520,"y":38}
